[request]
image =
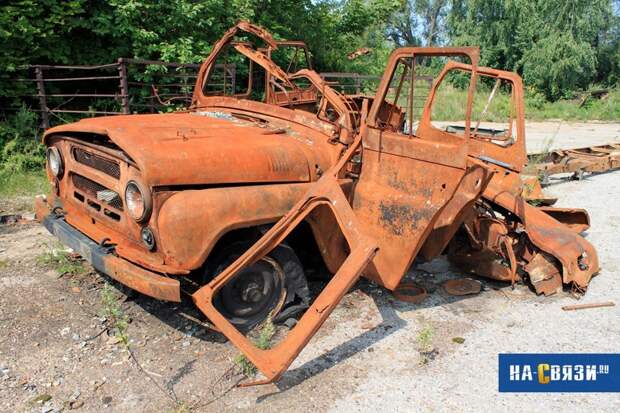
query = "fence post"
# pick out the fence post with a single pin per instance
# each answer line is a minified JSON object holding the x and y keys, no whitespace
{"x":152,"y":101}
{"x":45,"y":121}
{"x":122,"y":72}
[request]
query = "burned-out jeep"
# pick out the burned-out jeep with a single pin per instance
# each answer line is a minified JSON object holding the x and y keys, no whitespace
{"x":148,"y":198}
{"x":267,"y":165}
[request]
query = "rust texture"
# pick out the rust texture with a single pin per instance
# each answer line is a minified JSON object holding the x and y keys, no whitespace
{"x":463,"y":286}
{"x":410,"y":292}
{"x":221,"y":194}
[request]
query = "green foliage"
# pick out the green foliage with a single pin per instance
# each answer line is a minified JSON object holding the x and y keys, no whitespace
{"x":20,"y":150}
{"x":605,"y":109}
{"x":180,"y":407}
{"x":23,"y":184}
{"x":425,"y":339}
{"x":22,"y":157}
{"x":111,"y":309}
{"x":536,"y":106}
{"x":84,"y":32}
{"x":558,"y":46}
{"x":557,"y":65}
{"x":262,"y":341}
{"x":63,"y":262}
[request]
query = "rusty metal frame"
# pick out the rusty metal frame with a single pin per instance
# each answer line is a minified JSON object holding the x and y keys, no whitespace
{"x":594,"y":159}
{"x":408,"y":199}
{"x":473,"y":53}
{"x":326,"y":191}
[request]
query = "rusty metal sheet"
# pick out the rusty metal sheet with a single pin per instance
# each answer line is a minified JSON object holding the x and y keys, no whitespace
{"x":462,"y":286}
{"x":200,"y":148}
{"x":576,"y":219}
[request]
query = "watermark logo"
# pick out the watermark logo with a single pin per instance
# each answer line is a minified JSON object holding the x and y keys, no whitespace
{"x":559,"y":372}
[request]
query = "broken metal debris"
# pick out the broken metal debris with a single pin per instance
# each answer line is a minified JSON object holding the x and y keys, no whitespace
{"x":217,"y":203}
{"x":462,"y":286}
{"x":410,"y":292}
{"x":16,"y":219}
{"x":10,"y":219}
{"x":594,"y":159}
{"x":587,"y":306}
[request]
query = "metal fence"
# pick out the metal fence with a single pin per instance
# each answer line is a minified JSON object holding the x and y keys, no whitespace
{"x":127,"y":86}
{"x":62,"y":93}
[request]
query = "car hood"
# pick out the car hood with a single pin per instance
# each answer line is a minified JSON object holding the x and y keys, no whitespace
{"x":200,"y":148}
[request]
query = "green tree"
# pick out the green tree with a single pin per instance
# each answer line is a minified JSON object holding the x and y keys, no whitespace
{"x":418,"y":22}
{"x":557,"y":45}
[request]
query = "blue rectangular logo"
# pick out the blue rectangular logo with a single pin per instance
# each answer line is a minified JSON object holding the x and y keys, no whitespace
{"x":571,"y":373}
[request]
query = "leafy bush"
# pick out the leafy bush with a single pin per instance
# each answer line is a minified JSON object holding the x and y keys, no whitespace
{"x":22,"y":156}
{"x":20,"y":150}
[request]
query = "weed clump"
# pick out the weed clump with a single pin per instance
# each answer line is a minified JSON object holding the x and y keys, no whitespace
{"x":117,"y":320}
{"x":64,"y":262}
{"x":263,"y":341}
{"x":424,"y":340}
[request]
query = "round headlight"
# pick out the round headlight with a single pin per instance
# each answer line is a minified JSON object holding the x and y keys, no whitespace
{"x":137,"y":201}
{"x":148,"y":238}
{"x":54,"y":161}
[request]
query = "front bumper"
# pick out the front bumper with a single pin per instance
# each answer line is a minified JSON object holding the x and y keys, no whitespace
{"x":103,"y":259}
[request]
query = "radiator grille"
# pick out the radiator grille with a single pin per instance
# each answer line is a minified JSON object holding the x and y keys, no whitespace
{"x":97,"y":162}
{"x":97,"y":191}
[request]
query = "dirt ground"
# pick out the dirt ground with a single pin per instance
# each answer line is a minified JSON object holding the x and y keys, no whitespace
{"x":374,"y":352}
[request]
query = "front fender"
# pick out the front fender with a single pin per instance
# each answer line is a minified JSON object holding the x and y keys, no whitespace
{"x":190,"y":222}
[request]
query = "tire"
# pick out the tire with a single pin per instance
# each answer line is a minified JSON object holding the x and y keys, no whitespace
{"x":273,"y":285}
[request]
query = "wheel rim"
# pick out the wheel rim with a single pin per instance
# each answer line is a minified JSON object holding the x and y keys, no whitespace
{"x":257,"y":291}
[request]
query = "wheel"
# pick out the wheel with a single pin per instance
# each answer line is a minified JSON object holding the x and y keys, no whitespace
{"x":265,"y":288}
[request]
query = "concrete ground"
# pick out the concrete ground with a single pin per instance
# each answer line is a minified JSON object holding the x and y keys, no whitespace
{"x":373,"y":353}
{"x":567,"y":135}
{"x":559,"y":134}
{"x":464,"y":377}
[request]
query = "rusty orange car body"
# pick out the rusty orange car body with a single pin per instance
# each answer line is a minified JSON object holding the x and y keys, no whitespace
{"x":150,"y":199}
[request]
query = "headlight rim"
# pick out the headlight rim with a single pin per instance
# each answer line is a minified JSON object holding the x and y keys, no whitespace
{"x":146,"y":199}
{"x":52,"y":150}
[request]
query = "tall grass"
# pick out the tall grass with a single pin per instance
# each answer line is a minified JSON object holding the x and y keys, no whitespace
{"x":450,"y":106}
{"x":23,"y":183}
{"x":604,"y":109}
{"x":22,"y":157}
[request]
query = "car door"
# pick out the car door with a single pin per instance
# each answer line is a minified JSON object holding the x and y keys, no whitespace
{"x":411,"y":168}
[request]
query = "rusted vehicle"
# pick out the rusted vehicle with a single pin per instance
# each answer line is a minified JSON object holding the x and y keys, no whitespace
{"x":149,"y":199}
{"x":223,"y":193}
